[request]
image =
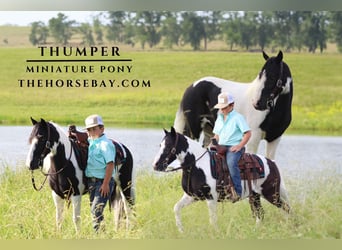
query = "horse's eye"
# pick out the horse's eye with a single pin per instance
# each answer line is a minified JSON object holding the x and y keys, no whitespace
{"x":39,"y":136}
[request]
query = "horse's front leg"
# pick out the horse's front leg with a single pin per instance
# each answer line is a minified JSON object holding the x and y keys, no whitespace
{"x":186,"y":200}
{"x":253,"y":143}
{"x":212,"y":206}
{"x":59,"y":205}
{"x":271,"y":148}
{"x":76,"y":205}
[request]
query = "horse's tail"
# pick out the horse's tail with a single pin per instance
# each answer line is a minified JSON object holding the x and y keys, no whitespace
{"x":123,"y":197}
{"x":180,"y":121}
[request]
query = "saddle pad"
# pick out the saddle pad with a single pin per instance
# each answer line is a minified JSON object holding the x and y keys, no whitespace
{"x":252,"y":165}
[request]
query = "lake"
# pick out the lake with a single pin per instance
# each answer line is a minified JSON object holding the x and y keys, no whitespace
{"x":297,"y":156}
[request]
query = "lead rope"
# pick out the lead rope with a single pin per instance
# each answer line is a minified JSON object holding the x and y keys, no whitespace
{"x":34,"y":184}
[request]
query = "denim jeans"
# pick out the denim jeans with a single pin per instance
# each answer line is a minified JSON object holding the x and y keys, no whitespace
{"x":232,"y":162}
{"x":97,"y":201}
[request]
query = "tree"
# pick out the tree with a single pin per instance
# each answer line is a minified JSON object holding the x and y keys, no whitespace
{"x":264,"y":29}
{"x":193,"y":29}
{"x":211,"y":21}
{"x":98,"y":30}
{"x":230,"y":29}
{"x":248,"y":30}
{"x":87,"y":34}
{"x":116,"y":26}
{"x":315,"y":34}
{"x":336,"y":28}
{"x":171,"y":29}
{"x":60,"y":28}
{"x":148,"y":27}
{"x":39,"y":33}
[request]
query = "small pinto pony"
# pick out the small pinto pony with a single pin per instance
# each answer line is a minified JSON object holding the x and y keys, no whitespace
{"x":200,"y":183}
{"x":265,"y":103}
{"x":59,"y":159}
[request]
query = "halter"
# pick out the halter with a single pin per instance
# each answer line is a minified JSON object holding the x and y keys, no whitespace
{"x":277,"y":89}
{"x":41,"y":160}
{"x":173,"y":152}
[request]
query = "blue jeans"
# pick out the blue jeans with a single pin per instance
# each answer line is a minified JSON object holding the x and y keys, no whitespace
{"x":232,"y":162}
{"x":97,"y":201}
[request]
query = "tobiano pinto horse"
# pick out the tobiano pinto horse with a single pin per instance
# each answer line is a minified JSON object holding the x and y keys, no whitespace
{"x":265,"y":102}
{"x":57,"y":156}
{"x":199,"y":183}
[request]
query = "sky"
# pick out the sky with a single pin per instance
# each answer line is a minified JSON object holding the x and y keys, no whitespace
{"x":24,"y":18}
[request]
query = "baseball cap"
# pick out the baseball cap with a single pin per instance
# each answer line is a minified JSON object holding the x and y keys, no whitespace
{"x":93,"y":121}
{"x":223,"y":100}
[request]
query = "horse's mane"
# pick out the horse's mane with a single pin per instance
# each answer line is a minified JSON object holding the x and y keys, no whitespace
{"x":60,"y":130}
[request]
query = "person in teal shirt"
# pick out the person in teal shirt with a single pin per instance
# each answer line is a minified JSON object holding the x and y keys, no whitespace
{"x":100,"y":168}
{"x":232,"y":131}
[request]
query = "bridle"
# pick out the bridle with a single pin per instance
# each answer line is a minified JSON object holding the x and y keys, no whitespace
{"x":173,"y":153}
{"x":44,"y":153}
{"x":277,"y":89}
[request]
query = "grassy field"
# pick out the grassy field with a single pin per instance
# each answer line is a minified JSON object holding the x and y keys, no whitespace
{"x":27,"y":214}
{"x":317,"y":104}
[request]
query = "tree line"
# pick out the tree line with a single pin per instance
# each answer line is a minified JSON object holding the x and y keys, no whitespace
{"x":289,"y":30}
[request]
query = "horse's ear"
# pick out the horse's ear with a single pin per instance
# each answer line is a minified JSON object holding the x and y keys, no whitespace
{"x":42,"y":121}
{"x":173,"y":131}
{"x":265,"y":55}
{"x":165,"y":131}
{"x":279,"y":57}
{"x":34,"y":122}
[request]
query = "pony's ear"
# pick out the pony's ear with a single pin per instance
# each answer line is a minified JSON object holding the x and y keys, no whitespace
{"x":165,"y":131}
{"x":265,"y":55}
{"x":173,"y":131}
{"x":34,"y":122}
{"x":42,"y":121}
{"x":279,"y":57}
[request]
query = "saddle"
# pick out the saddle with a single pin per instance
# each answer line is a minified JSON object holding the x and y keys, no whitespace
{"x":250,"y":165}
{"x":80,"y":142}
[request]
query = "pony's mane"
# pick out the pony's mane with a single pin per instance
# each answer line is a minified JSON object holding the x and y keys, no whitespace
{"x":59,"y":129}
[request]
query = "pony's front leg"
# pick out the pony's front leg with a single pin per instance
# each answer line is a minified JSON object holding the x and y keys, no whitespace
{"x":186,"y":200}
{"x":76,"y":216}
{"x":212,"y":206}
{"x":59,"y":205}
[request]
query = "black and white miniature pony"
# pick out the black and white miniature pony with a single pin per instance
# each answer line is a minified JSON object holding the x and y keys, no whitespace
{"x":265,"y":103}
{"x":198,"y":182}
{"x":55,"y":154}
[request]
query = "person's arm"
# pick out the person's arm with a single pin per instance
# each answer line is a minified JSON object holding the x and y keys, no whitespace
{"x":243,"y":142}
{"x":104,"y":189}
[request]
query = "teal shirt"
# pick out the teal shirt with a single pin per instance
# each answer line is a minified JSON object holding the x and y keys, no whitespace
{"x":100,"y":152}
{"x":231,"y":130}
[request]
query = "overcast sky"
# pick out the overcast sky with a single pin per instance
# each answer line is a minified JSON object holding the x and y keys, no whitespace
{"x":24,"y":18}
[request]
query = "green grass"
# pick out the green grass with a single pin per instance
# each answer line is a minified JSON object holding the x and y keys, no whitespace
{"x":317,"y":106}
{"x":316,"y":203}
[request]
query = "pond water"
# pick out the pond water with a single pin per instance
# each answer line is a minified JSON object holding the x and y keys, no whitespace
{"x":297,"y":156}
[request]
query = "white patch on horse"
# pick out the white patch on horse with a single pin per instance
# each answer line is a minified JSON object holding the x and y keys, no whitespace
{"x":287,"y":86}
{"x":31,"y":151}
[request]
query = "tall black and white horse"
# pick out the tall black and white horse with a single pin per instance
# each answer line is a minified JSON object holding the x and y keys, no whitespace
{"x":265,"y":103}
{"x":55,"y":154}
{"x":198,"y":182}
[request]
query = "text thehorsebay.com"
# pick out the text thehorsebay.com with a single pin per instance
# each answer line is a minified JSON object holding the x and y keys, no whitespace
{"x":75,"y":67}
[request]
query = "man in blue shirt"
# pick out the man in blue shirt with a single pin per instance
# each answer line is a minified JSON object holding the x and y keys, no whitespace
{"x":100,"y":166}
{"x":232,"y":131}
